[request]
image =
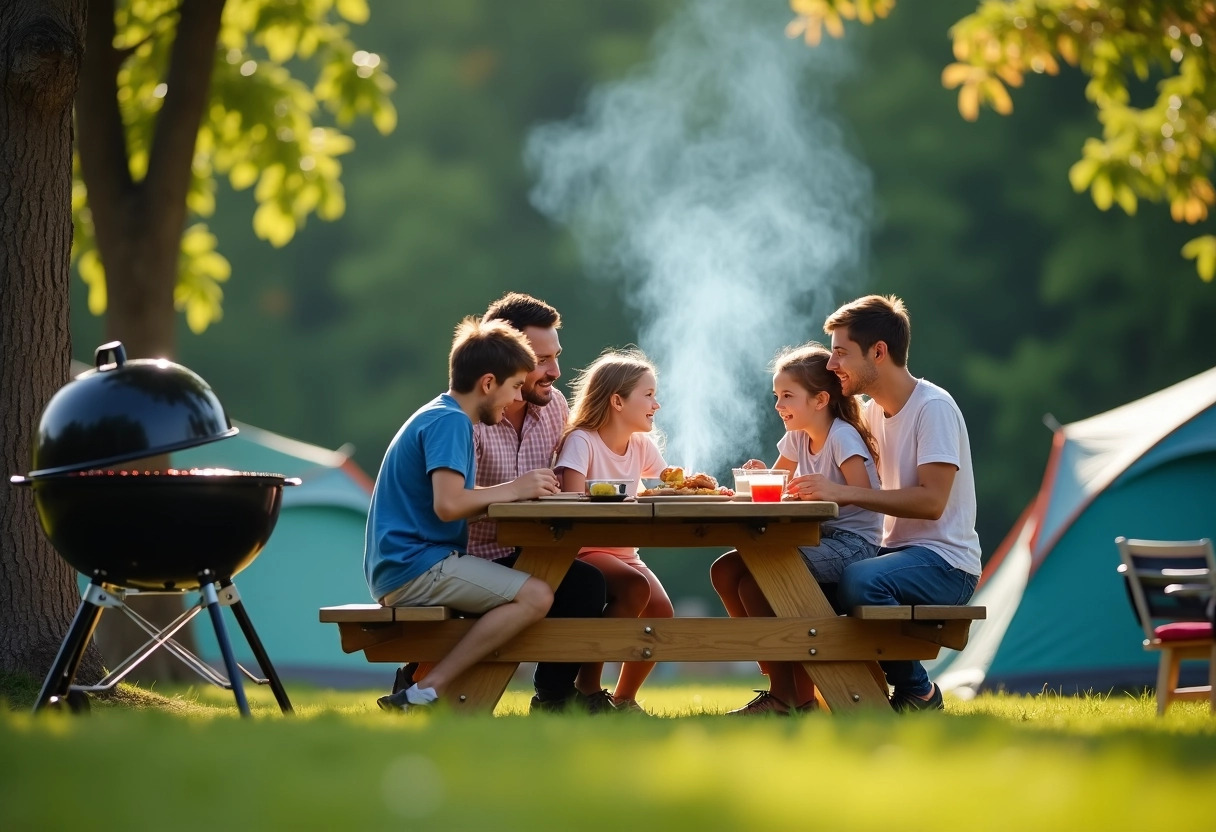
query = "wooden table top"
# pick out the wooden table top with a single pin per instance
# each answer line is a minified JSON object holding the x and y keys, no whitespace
{"x":675,"y":509}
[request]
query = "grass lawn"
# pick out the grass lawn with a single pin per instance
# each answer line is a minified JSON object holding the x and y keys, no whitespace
{"x":186,"y":761}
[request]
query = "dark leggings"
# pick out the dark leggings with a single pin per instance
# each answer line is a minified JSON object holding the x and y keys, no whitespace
{"x":581,"y":594}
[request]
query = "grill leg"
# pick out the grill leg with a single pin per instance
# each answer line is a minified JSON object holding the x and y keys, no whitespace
{"x":59,"y":681}
{"x":259,"y":652}
{"x":221,"y":635}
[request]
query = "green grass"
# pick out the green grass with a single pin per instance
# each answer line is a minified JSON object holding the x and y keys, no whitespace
{"x":186,"y":761}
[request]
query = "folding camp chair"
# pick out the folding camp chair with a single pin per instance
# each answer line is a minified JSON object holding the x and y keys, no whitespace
{"x":1178,"y":622}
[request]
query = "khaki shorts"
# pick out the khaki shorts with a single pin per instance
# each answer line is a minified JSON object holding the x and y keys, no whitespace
{"x":462,"y":582}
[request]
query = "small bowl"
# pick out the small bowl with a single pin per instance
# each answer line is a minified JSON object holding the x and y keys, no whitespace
{"x":608,"y":489}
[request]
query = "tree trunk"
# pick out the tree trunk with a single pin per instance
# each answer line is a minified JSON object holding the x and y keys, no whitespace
{"x":138,"y":227}
{"x":41,"y":49}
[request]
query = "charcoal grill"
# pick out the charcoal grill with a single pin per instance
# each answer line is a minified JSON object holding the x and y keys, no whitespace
{"x":135,"y":532}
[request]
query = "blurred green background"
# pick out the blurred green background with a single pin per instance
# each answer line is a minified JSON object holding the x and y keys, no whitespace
{"x":1026,"y":299}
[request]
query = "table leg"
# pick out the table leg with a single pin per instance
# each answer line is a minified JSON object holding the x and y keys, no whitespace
{"x":792,"y":592}
{"x":549,"y":563}
{"x":481,"y":686}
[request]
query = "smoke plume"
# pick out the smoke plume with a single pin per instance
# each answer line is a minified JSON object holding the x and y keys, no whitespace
{"x":715,"y":183}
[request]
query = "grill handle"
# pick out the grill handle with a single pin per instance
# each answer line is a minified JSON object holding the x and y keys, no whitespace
{"x":112,"y":348}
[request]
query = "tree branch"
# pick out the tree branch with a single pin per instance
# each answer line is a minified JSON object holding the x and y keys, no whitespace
{"x":101,"y":137}
{"x":189,"y":83}
{"x":123,"y":54}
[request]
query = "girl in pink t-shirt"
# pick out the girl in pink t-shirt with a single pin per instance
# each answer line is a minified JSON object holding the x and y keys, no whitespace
{"x":612,"y":411}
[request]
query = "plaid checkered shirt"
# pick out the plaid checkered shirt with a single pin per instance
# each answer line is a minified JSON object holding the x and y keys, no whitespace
{"x":503,"y":455}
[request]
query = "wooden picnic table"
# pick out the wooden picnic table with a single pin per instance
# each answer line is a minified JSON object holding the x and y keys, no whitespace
{"x":840,"y":653}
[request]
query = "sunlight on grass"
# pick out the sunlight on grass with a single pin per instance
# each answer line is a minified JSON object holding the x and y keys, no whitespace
{"x":1016,"y":762}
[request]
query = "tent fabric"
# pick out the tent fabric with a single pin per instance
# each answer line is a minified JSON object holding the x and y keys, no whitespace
{"x":1058,"y":613}
{"x":313,"y":558}
{"x":1094,"y":452}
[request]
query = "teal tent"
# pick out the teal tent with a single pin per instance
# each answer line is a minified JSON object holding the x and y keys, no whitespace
{"x":1058,"y":613}
{"x":314,"y":558}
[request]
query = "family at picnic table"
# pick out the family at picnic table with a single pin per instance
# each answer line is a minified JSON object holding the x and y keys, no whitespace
{"x":898,"y":466}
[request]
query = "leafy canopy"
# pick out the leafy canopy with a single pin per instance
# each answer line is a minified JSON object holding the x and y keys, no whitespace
{"x":1152,"y":76}
{"x":265,"y":127}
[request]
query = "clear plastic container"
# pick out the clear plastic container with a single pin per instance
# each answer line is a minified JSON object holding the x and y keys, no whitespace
{"x":768,"y":486}
{"x":743,"y":478}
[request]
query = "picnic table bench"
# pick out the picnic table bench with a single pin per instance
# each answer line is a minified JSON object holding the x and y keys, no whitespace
{"x":840,"y":653}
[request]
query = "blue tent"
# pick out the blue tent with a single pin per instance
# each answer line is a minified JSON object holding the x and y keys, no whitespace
{"x":314,"y":557}
{"x":1058,"y":613}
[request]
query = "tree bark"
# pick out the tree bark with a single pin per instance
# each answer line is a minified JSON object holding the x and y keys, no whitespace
{"x":138,"y":227}
{"x":41,"y":50}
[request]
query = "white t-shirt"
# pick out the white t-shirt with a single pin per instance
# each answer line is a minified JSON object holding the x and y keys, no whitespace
{"x":843,"y":442}
{"x":585,"y":452}
{"x":929,"y":428}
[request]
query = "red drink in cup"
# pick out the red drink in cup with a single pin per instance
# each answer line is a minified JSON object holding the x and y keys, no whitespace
{"x":765,"y":493}
{"x":767,"y":488}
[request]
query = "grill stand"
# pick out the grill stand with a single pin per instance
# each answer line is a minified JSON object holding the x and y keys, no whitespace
{"x":98,"y":596}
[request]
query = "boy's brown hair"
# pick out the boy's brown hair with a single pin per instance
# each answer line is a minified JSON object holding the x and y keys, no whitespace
{"x":872,"y":319}
{"x":492,"y":347}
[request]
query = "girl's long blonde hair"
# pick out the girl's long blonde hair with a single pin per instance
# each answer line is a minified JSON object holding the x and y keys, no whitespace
{"x":614,"y":372}
{"x":808,"y":365}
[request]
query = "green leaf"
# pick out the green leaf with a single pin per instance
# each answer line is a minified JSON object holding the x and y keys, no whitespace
{"x":1203,"y":251}
{"x":1102,"y":191}
{"x":355,"y":11}
{"x":1082,"y":173}
{"x":242,"y":175}
{"x":1126,"y":198}
{"x":273,"y":224}
{"x":94,"y":274}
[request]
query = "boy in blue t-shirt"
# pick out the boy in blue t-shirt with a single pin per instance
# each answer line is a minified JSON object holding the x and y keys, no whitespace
{"x":417,"y":527}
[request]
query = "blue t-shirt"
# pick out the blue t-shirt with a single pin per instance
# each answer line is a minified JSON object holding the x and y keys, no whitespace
{"x":404,"y":536}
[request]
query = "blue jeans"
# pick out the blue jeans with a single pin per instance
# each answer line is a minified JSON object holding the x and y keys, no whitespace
{"x":912,"y":575}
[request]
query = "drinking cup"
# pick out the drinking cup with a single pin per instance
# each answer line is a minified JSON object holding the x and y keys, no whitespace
{"x":767,"y":487}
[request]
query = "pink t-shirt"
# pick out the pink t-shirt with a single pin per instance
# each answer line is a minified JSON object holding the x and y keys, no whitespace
{"x":585,"y":452}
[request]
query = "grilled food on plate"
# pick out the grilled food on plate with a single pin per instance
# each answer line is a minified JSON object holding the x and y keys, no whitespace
{"x":675,"y":483}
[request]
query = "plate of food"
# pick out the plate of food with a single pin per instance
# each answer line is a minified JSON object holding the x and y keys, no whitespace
{"x":573,"y":496}
{"x":685,"y":498}
{"x":674,"y":484}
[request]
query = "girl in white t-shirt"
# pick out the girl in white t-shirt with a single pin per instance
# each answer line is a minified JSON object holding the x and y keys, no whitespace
{"x":612,"y":411}
{"x":824,"y":435}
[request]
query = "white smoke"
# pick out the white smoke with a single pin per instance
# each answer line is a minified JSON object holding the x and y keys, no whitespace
{"x":715,"y":183}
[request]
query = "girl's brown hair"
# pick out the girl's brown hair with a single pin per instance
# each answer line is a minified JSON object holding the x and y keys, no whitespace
{"x":808,"y":366}
{"x":614,"y":372}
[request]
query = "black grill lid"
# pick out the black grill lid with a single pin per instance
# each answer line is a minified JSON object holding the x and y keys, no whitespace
{"x":124,"y":410}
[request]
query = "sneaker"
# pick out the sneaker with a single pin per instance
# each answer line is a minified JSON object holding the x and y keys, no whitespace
{"x":595,"y":703}
{"x":906,"y":702}
{"x":764,"y":703}
{"x":628,"y":706}
{"x":398,"y":703}
{"x":550,"y":706}
{"x":405,"y":676}
{"x":588,"y":703}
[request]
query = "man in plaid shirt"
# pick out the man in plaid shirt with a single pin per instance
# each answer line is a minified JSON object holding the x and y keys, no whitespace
{"x":526,"y":439}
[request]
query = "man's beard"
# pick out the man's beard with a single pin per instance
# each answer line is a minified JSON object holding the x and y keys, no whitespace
{"x":861,"y":382}
{"x":534,"y":395}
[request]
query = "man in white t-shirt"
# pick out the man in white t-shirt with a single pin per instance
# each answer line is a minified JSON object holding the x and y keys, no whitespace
{"x":930,"y":552}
